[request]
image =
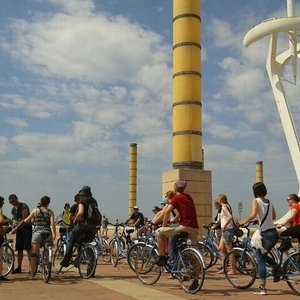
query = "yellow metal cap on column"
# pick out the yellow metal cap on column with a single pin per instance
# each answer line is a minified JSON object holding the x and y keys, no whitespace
{"x":132,"y":177}
{"x":259,"y":172}
{"x":187,"y":130}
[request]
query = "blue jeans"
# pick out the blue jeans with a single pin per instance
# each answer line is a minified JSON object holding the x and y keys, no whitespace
{"x":269,"y":240}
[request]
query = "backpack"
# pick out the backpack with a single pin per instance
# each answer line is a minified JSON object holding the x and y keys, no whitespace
{"x":93,"y":214}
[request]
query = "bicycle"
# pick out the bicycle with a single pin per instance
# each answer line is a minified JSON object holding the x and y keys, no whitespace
{"x":119,"y":248}
{"x":245,"y":262}
{"x":188,"y":266}
{"x":8,"y":254}
{"x":84,"y":258}
{"x":147,"y":239}
{"x":102,"y":247}
{"x":44,"y":261}
{"x":209,"y":247}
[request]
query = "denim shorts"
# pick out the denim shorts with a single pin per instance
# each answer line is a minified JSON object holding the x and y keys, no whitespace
{"x":227,"y":236}
{"x":39,"y":237}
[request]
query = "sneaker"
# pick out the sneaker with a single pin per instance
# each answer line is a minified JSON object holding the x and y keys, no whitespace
{"x":3,"y":278}
{"x":17,"y":270}
{"x":260,"y":291}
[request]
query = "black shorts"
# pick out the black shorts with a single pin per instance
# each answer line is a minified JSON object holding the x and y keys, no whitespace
{"x":23,"y":239}
{"x":1,"y":240}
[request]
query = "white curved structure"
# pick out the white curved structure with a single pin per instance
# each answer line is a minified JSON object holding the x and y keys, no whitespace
{"x":275,"y":65}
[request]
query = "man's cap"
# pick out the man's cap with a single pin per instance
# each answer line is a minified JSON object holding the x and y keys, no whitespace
{"x":85,"y":191}
{"x":164,"y":201}
{"x":135,"y":207}
{"x":180,"y":185}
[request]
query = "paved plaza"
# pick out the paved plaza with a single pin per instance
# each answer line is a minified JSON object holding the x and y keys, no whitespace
{"x":121,"y":283}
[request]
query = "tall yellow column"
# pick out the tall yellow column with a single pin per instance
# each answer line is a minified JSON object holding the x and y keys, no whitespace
{"x":188,"y":161}
{"x":132,"y":177}
{"x":259,"y":172}
{"x":187,"y":134}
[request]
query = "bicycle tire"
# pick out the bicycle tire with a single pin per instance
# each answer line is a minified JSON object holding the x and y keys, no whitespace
{"x":147,"y":271}
{"x":191,"y":272}
{"x":87,"y":261}
{"x":105,"y":251}
{"x":114,"y":253}
{"x":8,"y":259}
{"x":132,"y":254}
{"x":57,"y":257}
{"x":245,"y":269}
{"x":291,"y":271}
{"x":207,"y":254}
{"x":46,"y":264}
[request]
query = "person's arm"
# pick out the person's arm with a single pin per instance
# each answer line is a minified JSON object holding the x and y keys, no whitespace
{"x":52,"y":225}
{"x":80,"y":213}
{"x":252,"y":214}
{"x":1,"y":219}
{"x":273,"y":213}
{"x":293,"y":214}
{"x":167,"y":215}
{"x":137,"y":222}
{"x":158,"y":217}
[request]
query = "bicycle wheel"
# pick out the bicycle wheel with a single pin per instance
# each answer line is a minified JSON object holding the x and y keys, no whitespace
{"x":132,"y":254}
{"x":46,"y":264}
{"x":291,"y":271}
{"x":190,"y":270}
{"x":207,"y":254}
{"x":57,"y":257}
{"x":245,"y":266}
{"x":8,"y":258}
{"x":114,"y":253}
{"x":105,"y":251}
{"x":87,"y":261}
{"x":146,"y":271}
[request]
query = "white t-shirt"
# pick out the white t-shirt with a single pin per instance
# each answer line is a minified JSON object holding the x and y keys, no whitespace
{"x":224,"y":218}
{"x":262,"y":210}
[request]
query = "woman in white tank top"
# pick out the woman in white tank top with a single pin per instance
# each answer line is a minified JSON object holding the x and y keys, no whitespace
{"x":226,"y":221}
{"x":264,"y":211}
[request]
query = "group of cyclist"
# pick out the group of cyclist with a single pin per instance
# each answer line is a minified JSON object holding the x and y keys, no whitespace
{"x":166,"y":225}
{"x":262,"y":210}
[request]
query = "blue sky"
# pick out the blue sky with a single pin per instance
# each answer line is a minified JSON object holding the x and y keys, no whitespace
{"x":81,"y":80}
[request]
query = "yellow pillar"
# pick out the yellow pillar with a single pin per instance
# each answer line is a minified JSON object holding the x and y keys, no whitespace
{"x":259,"y":172}
{"x":187,"y":131}
{"x":132,"y":177}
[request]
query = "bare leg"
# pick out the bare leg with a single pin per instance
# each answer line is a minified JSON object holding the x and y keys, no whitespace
{"x":33,"y":260}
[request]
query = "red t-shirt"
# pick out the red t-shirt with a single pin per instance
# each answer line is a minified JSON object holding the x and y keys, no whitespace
{"x":186,"y":208}
{"x":296,"y":221}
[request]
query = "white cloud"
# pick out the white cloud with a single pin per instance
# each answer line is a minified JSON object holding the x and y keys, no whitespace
{"x":38,"y":108}
{"x":75,"y":7}
{"x":94,"y":48}
{"x":17,"y":122}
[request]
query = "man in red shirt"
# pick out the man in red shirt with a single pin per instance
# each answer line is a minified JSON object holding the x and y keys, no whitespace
{"x":185,"y":206}
{"x":294,"y":219}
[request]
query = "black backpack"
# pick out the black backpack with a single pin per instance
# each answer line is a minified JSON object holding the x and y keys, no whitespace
{"x":93,"y":215}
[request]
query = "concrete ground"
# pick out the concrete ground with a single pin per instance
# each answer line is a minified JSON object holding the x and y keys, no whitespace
{"x":121,"y":283}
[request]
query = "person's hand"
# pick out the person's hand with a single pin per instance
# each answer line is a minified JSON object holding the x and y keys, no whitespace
{"x":279,"y":225}
{"x":239,"y":223}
